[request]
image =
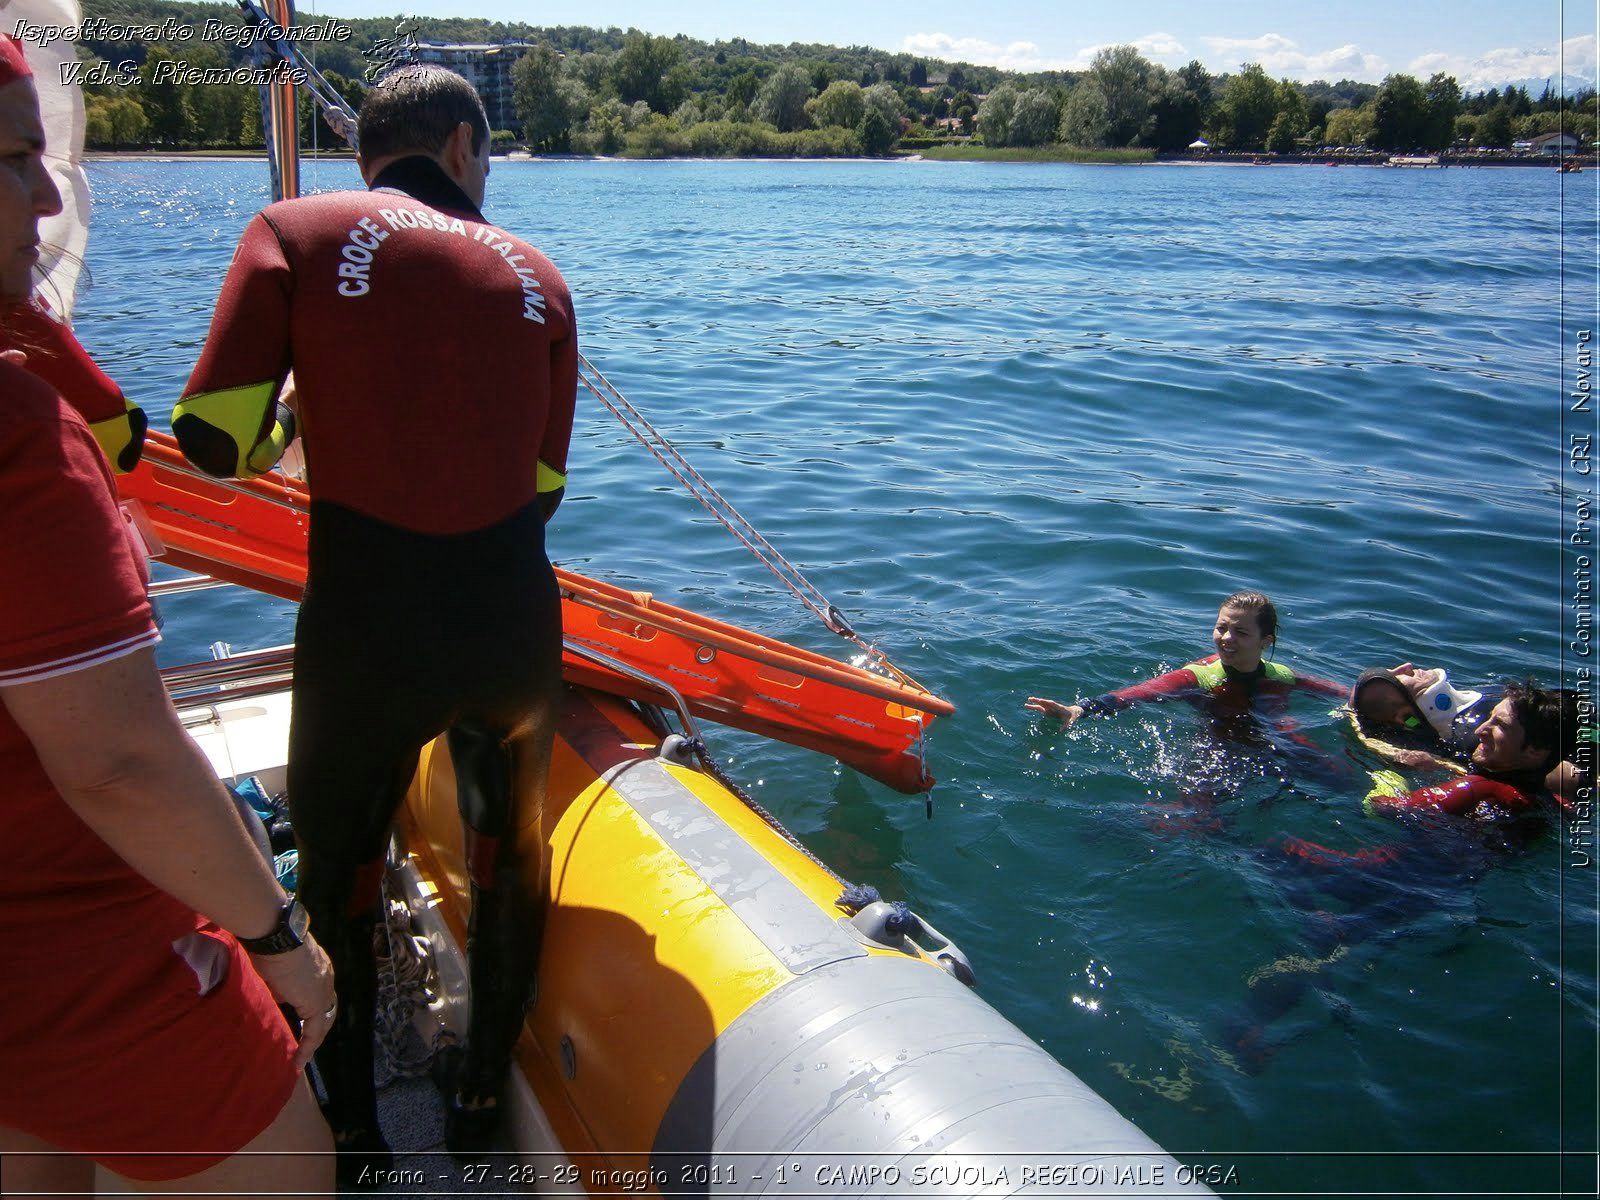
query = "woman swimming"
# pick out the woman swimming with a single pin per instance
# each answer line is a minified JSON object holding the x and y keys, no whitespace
{"x":1233,"y":681}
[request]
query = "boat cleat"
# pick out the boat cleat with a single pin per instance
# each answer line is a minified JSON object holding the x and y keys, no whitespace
{"x":896,"y":927}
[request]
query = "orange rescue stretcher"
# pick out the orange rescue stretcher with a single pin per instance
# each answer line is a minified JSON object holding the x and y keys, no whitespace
{"x":253,"y":533}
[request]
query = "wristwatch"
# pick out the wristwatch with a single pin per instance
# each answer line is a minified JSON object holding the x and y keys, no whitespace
{"x":288,"y":934}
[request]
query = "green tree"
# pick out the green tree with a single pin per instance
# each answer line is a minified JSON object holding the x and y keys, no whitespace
{"x":1123,"y":76}
{"x":640,"y":69}
{"x":783,"y":97}
{"x":742,"y":89}
{"x":214,"y":108}
{"x":1035,"y":119}
{"x":1177,"y":107}
{"x":1084,"y":120}
{"x":885,"y":98}
{"x":1399,"y":114}
{"x":1442,"y":101}
{"x":114,"y":121}
{"x":96,"y":124}
{"x":166,"y":102}
{"x":1291,"y":122}
{"x":1494,"y":127}
{"x":250,"y":134}
{"x":995,"y":114}
{"x":1349,"y":126}
{"x":1199,"y":82}
{"x":592,"y":70}
{"x":875,"y":134}
{"x":842,"y":103}
{"x":547,"y":103}
{"x":607,"y":128}
{"x":1248,"y":107}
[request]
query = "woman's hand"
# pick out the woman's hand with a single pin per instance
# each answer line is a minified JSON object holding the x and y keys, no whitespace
{"x":303,"y":979}
{"x":1065,"y":713}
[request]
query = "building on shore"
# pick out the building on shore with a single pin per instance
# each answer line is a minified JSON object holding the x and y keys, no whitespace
{"x":487,"y":67}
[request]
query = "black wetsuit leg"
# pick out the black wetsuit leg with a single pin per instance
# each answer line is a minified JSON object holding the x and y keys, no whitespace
{"x":500,"y":745}
{"x":401,"y":637}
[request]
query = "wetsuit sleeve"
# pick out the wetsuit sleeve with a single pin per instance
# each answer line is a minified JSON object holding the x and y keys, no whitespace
{"x":558,"y":422}
{"x":1458,"y":797}
{"x":1173,"y":684}
{"x":1325,"y":687}
{"x":229,"y":421}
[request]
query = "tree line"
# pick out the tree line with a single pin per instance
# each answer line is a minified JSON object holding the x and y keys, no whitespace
{"x":609,"y":91}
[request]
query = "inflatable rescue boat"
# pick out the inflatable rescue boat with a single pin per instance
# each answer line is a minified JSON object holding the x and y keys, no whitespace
{"x":717,"y":1013}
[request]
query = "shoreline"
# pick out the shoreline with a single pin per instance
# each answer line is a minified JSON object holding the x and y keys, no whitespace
{"x":1549,"y":162}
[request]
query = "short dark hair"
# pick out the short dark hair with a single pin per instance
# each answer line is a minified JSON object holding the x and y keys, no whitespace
{"x":1547,"y":717}
{"x":415,"y":110}
{"x":1257,"y":603}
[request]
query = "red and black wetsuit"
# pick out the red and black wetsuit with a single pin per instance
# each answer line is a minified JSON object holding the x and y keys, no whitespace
{"x":1483,"y":796}
{"x":1233,"y":699}
{"x":1228,"y":692}
{"x":1479,"y":794}
{"x":435,"y":364}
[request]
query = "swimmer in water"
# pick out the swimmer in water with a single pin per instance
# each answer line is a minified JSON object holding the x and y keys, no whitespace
{"x":1233,"y":681}
{"x":1234,"y":685}
{"x":1416,"y":717}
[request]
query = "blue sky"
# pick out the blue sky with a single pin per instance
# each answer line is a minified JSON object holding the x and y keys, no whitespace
{"x":1482,"y":43}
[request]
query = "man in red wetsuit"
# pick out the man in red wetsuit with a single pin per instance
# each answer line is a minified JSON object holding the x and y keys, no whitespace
{"x":1455,"y":832}
{"x":1525,"y":735}
{"x":435,"y":368}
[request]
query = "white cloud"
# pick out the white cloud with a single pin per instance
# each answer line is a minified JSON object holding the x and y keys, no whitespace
{"x":1016,"y":56}
{"x":1577,"y":57}
{"x":1160,"y":45}
{"x":1267,"y":43}
{"x":1163,"y":48}
{"x":1026,"y":56}
{"x":1282,"y":57}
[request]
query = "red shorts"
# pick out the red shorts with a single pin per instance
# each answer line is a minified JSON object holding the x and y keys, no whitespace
{"x":114,"y":1054}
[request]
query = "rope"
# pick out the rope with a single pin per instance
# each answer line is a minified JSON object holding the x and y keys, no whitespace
{"x":731,"y":519}
{"x":750,"y":802}
{"x":406,"y":978}
{"x":340,"y":117}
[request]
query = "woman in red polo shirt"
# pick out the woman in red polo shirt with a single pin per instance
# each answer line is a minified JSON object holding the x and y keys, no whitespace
{"x":139,"y":1033}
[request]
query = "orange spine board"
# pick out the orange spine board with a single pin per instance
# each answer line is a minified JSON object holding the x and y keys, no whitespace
{"x":253,"y":533}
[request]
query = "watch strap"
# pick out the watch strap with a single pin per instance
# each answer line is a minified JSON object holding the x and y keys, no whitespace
{"x":288,"y":934}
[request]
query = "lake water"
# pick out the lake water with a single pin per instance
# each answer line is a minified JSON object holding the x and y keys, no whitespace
{"x":1027,"y":425}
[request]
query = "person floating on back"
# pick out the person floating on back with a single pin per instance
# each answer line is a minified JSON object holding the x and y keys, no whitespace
{"x":1416,"y":717}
